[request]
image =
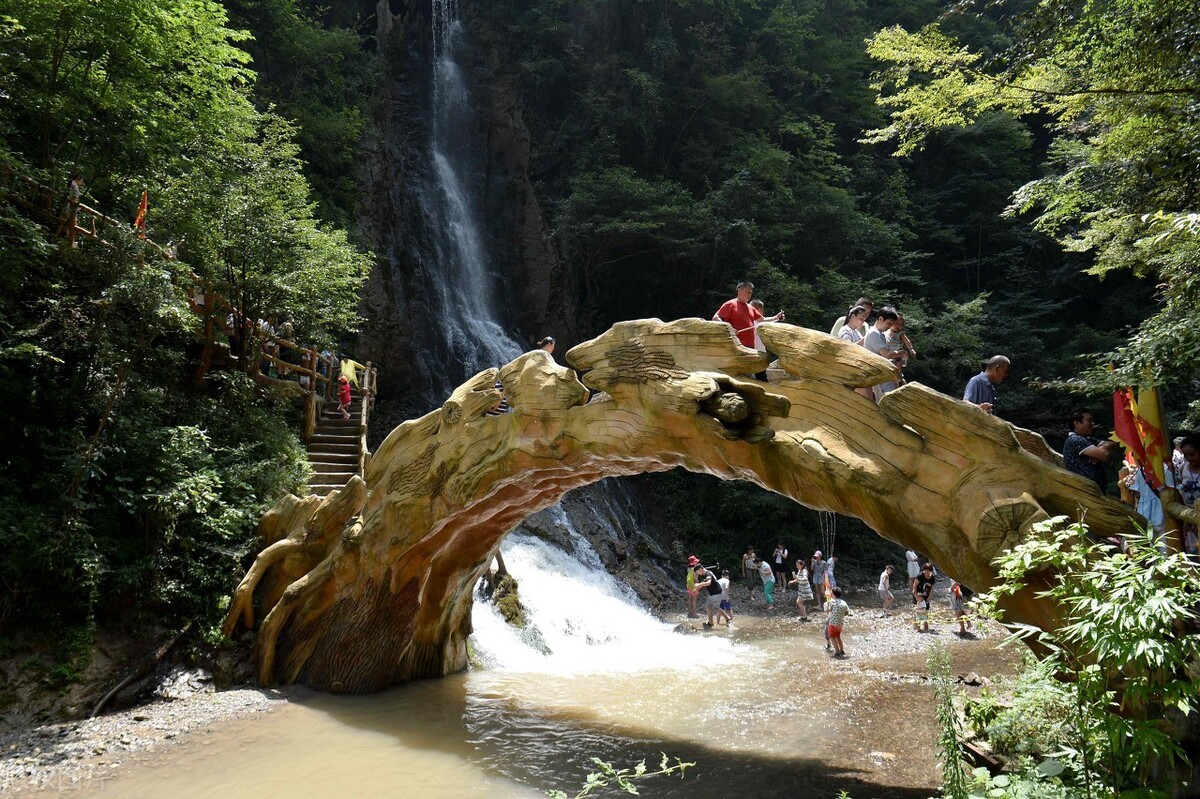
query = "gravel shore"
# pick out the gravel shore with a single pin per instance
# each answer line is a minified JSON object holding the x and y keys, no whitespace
{"x":52,"y":756}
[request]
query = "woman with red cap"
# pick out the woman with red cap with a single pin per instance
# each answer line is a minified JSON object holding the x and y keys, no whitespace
{"x":693,"y":562}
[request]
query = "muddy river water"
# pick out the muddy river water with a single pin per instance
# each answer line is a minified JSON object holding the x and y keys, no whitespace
{"x":762,"y":710}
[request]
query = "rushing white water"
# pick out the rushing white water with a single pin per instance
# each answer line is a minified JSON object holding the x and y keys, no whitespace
{"x":462,"y":284}
{"x":580,"y":619}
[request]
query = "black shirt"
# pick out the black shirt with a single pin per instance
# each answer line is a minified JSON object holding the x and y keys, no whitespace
{"x":925,"y":585}
{"x":1090,"y":468}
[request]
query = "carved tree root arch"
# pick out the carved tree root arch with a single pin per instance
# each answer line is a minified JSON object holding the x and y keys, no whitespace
{"x":372,"y":586}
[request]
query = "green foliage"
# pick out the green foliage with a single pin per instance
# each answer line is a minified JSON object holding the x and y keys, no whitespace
{"x":103,"y":84}
{"x":245,"y":213}
{"x":954,"y":773}
{"x":1028,"y":720}
{"x":1118,"y":82}
{"x":321,"y":78}
{"x":1118,"y":655}
{"x":607,"y":774}
{"x":72,"y":655}
{"x":1034,"y":782}
{"x":128,"y":493}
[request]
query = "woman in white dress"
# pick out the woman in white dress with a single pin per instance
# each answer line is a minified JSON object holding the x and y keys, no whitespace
{"x":804,"y":592}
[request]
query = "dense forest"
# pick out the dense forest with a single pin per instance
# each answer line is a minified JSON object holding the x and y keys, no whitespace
{"x":1016,"y":178}
{"x":128,"y":491}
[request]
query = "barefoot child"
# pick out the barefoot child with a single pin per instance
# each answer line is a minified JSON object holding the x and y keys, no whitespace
{"x":885,"y":589}
{"x":768,"y":580}
{"x":726,"y":604}
{"x":838,"y":611}
{"x":921,"y":615}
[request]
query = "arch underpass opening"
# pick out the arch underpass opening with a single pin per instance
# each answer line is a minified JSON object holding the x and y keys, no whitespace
{"x":372,"y":586}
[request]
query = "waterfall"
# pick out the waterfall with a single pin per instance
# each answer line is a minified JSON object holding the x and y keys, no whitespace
{"x":573,"y":602}
{"x":579,"y":618}
{"x":465,"y":310}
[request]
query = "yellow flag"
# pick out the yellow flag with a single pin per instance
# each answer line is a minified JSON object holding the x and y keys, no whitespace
{"x":1149,"y":418}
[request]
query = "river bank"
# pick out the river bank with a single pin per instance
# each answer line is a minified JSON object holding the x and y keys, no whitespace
{"x":871,"y":700}
{"x":54,"y":757}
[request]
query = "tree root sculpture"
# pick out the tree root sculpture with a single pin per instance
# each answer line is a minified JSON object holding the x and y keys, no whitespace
{"x":372,"y":586}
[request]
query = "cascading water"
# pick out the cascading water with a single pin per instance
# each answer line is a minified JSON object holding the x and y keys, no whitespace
{"x":463,"y":287}
{"x":578,"y":617}
{"x":573,"y":602}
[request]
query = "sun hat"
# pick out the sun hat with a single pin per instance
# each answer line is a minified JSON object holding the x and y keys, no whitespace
{"x":693,"y":560}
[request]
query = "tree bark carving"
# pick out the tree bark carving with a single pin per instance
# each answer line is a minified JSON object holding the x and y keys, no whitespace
{"x":373,"y":586}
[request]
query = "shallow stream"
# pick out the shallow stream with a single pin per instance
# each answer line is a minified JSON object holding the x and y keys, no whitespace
{"x":761,"y":709}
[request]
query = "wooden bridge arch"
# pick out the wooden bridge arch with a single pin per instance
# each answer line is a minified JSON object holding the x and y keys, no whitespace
{"x":372,"y":586}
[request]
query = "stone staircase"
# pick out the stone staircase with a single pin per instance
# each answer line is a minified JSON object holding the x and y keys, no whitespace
{"x":335,"y":448}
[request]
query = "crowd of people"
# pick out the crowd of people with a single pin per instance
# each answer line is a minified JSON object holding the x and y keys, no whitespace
{"x":816,"y":581}
{"x":881,"y":333}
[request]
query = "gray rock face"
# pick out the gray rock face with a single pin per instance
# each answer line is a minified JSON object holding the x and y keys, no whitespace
{"x":398,"y":179}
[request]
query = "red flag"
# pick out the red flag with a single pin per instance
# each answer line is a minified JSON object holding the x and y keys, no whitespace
{"x":1125,"y":429}
{"x":139,"y":223}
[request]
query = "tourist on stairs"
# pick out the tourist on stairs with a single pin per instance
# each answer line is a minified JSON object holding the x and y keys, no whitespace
{"x":344,"y":396}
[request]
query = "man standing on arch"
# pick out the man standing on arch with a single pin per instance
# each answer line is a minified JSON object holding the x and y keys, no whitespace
{"x":1083,"y":454}
{"x":739,"y":314}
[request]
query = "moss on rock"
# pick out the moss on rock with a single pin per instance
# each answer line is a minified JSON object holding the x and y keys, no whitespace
{"x":508,"y":602}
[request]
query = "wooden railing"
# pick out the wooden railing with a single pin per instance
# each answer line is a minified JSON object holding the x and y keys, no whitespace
{"x":314,"y":373}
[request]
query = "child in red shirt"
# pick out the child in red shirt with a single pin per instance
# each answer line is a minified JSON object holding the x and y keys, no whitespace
{"x":344,"y":396}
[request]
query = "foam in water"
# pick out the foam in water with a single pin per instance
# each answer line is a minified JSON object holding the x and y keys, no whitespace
{"x":581,"y":619}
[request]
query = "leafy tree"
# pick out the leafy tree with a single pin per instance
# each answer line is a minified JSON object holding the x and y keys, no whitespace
{"x":321,"y":78}
{"x":245,"y":213}
{"x":127,"y":493}
{"x":103,"y":87}
{"x":1118,"y":80}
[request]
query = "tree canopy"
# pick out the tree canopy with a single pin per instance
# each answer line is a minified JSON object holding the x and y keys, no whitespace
{"x":120,"y":477}
{"x":1118,"y":85}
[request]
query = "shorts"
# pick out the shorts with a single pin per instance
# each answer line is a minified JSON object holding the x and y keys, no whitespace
{"x":693,"y":592}
{"x":834,"y":632}
{"x":726,"y":605}
{"x":713,"y":602}
{"x":885,"y":594}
